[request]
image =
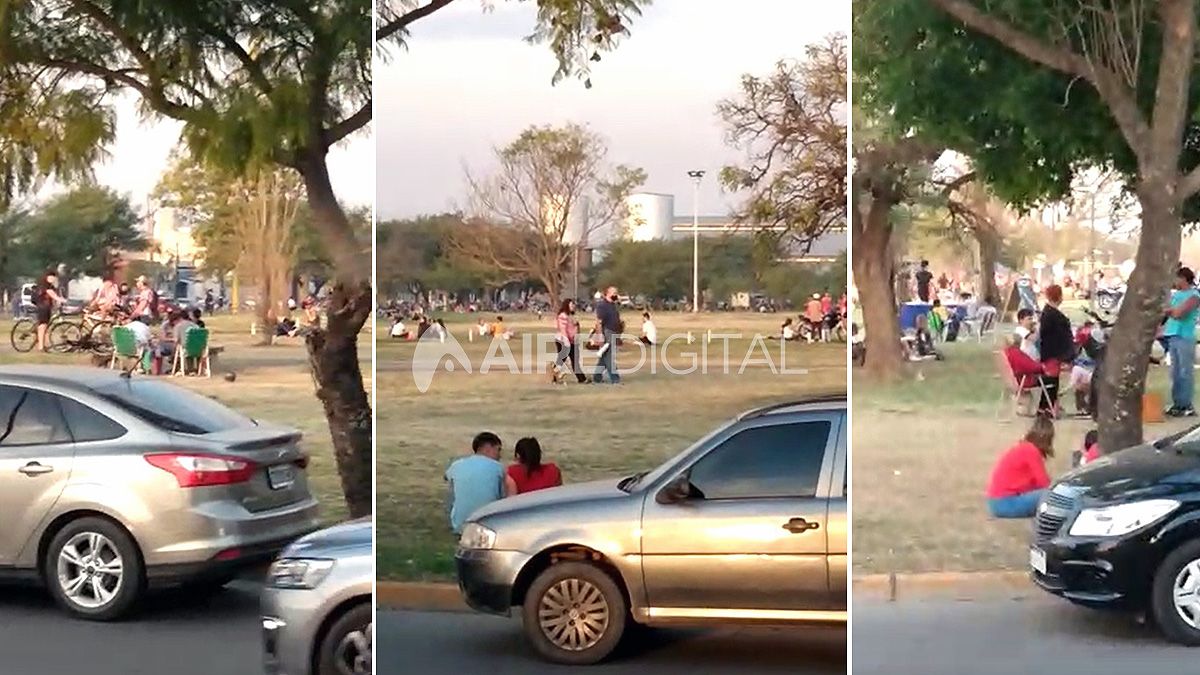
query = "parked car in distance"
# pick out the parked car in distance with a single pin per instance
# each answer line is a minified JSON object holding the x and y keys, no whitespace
{"x":746,"y":526}
{"x":317,"y":604}
{"x":110,"y":485}
{"x":1124,"y":532}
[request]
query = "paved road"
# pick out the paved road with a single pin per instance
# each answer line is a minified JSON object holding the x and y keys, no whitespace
{"x":434,"y":643}
{"x":174,"y":633}
{"x":1004,"y":636}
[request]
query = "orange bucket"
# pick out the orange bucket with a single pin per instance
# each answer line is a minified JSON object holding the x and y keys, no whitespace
{"x":1152,"y":408}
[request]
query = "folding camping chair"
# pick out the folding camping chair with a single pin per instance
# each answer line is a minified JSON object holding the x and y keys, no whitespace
{"x":1018,"y":388}
{"x":194,"y":349}
{"x":126,"y":347}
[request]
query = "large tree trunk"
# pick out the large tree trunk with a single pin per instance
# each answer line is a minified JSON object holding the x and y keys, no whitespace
{"x":989,"y":252}
{"x":872,"y":276}
{"x":333,"y":350}
{"x":1128,"y":353}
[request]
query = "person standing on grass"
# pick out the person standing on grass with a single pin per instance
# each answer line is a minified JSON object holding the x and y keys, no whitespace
{"x":45,"y":299}
{"x":1180,"y":332}
{"x":1019,"y":478}
{"x":566,"y":332}
{"x":924,"y":280}
{"x":529,"y":473}
{"x":1056,"y":344}
{"x":475,"y":480}
{"x":608,"y":316}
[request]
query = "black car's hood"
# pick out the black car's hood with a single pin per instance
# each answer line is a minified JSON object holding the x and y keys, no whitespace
{"x":1140,"y":472}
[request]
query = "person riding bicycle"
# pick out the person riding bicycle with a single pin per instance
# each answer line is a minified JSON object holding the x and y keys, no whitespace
{"x":107,"y":300}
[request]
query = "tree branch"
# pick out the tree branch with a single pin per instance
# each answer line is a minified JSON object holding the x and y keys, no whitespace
{"x":349,"y":125}
{"x":1120,"y":99}
{"x":402,"y":22}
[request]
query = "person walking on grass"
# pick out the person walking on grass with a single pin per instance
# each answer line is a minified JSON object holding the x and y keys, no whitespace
{"x":1180,"y":333}
{"x":608,"y":316}
{"x":566,"y":333}
{"x":529,"y":473}
{"x":475,"y":480}
{"x":1019,"y":478}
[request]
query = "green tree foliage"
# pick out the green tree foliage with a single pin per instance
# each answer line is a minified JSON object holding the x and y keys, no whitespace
{"x":578,"y":32}
{"x":85,"y":229}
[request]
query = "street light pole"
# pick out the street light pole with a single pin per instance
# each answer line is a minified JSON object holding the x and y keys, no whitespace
{"x":696,"y":176}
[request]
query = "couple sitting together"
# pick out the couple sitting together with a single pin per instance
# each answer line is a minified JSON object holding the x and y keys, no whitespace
{"x":479,"y":479}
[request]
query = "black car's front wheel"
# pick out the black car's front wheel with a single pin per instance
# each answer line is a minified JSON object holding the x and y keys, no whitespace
{"x":1176,"y":595}
{"x":346,"y":648}
{"x":574,"y":614}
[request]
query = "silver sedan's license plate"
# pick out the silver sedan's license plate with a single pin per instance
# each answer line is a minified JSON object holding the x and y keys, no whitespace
{"x":281,"y":476}
{"x":1037,"y":560}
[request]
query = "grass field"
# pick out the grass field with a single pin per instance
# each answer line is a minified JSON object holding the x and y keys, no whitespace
{"x":273,"y":383}
{"x":923,"y":450}
{"x":591,"y":431}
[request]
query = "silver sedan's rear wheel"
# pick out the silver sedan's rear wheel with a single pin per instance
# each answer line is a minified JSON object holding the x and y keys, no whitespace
{"x":575,"y":613}
{"x":93,"y":569}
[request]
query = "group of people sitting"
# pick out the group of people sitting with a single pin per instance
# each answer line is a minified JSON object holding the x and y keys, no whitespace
{"x":424,"y":328}
{"x":480,"y":479}
{"x":818,"y":321}
{"x":310,"y":319}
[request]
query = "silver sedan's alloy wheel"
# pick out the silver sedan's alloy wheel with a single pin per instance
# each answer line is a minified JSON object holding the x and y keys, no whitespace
{"x":90,"y":570}
{"x":1186,"y":594}
{"x":573,"y":615}
{"x":353,"y":654}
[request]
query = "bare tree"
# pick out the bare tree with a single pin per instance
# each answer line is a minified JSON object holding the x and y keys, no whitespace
{"x":265,"y":208}
{"x":792,"y":126}
{"x":551,"y":194}
{"x":1101,"y":44}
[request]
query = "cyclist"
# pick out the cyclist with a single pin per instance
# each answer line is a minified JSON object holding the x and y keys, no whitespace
{"x":45,"y":299}
{"x":107,"y":299}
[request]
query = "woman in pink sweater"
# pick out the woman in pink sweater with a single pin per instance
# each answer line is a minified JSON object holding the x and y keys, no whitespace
{"x":566,"y":332}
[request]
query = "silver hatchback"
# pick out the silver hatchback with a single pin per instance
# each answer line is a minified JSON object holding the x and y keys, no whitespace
{"x":111,"y":484}
{"x":746,"y":526}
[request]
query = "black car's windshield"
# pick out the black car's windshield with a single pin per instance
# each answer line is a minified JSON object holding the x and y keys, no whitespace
{"x":172,"y":408}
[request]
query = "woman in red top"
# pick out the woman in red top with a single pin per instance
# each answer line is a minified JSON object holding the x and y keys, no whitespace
{"x":529,"y":473}
{"x":1020,"y":477}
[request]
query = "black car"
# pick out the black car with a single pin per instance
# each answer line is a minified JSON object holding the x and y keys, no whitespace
{"x":1124,"y":532}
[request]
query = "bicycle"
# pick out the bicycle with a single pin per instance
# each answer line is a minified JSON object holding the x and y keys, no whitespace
{"x":24,"y":332}
{"x":93,"y":333}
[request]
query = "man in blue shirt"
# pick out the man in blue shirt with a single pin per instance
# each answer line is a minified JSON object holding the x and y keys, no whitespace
{"x":476,"y":480}
{"x":1180,"y":333}
{"x":609,"y":318}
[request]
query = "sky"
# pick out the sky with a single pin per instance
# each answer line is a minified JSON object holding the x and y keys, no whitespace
{"x":467,"y":83}
{"x":140,"y":153}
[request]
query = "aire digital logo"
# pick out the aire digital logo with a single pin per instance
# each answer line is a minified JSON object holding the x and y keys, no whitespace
{"x":430,"y":356}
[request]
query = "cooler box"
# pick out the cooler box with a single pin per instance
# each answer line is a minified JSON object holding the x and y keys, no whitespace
{"x":909,"y":312}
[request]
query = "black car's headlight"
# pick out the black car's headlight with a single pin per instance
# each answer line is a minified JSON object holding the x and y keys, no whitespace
{"x":302,"y":573}
{"x":1121,"y":519}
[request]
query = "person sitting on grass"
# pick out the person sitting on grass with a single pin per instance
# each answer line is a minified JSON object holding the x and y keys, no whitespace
{"x":1019,"y":478}
{"x":498,"y":330}
{"x":398,"y":329}
{"x":1090,"y":451}
{"x":787,"y":331}
{"x":529,"y":473}
{"x":475,"y":480}
{"x":922,"y":343}
{"x":649,"y":330}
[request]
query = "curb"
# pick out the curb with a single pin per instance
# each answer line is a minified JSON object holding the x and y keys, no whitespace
{"x":958,"y":585}
{"x":425,"y":597}
{"x":445,"y":597}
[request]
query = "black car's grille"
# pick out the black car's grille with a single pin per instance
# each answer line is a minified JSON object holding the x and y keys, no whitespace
{"x":1051,"y":515}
